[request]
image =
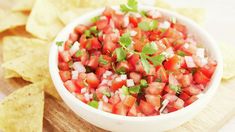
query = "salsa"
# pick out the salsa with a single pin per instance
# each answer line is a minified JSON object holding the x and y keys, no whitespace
{"x":134,"y":63}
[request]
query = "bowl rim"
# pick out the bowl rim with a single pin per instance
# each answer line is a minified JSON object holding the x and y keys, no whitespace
{"x":211,"y":88}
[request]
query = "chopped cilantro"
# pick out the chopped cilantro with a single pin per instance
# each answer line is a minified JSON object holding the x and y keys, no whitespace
{"x":95,"y":97}
{"x":143,"y":83}
{"x":106,"y":94}
{"x":102,"y":60}
{"x":78,"y":53}
{"x":125,"y":40}
{"x":181,"y":53}
{"x":145,"y":63}
{"x":175,"y":88}
{"x":87,"y":33}
{"x":125,"y":90}
{"x":95,"y":19}
{"x":148,"y":26}
{"x":121,"y":54}
{"x":59,"y":43}
{"x":132,"y":5}
{"x":94,"y":104}
{"x":157,"y":60}
{"x":149,"y":48}
{"x":121,"y":70}
{"x":135,"y":89}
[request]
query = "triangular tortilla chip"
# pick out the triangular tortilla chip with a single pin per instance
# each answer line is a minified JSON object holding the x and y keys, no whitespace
{"x":9,"y":19}
{"x":22,"y":111}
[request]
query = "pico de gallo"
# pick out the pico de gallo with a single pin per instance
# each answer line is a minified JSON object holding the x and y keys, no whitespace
{"x":134,"y":63}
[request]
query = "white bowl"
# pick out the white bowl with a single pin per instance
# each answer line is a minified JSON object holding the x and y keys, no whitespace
{"x":114,"y":122}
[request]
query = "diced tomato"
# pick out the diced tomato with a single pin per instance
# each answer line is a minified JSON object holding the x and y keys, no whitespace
{"x":166,"y":42}
{"x":172,"y":98}
{"x":73,"y":37}
{"x":92,"y":80}
{"x":173,"y":63}
{"x":133,"y":111}
{"x":192,"y":90}
{"x":70,"y":86}
{"x":108,"y":12}
{"x":83,"y":41}
{"x":81,"y":97}
{"x":139,"y":67}
{"x":80,"y":29}
{"x":129,"y":101}
{"x":79,"y":83}
{"x":123,"y":66}
{"x":118,"y":20}
{"x":139,"y":44}
{"x":208,"y":70}
{"x":107,"y":30}
{"x":169,"y":90}
{"x":65,"y":56}
{"x":134,"y":59}
{"x":93,"y":62}
{"x":200,"y":78}
{"x":150,"y":79}
{"x":178,"y":104}
{"x":102,"y":23}
{"x":154,"y":100}
{"x":100,"y":71}
{"x":146,"y":108}
{"x":161,"y":74}
{"x":65,"y":75}
{"x":136,"y":77}
{"x":109,"y":47}
{"x":133,"y":21}
{"x":84,"y":57}
{"x":120,"y":109}
{"x":107,"y":107}
{"x":184,"y":96}
{"x":186,"y":80}
{"x":181,"y":28}
{"x":114,"y":99}
{"x":63,"y":66}
{"x":68,"y":44}
{"x":190,"y":100}
{"x":155,"y":88}
{"x":95,"y":44}
{"x":116,"y":84}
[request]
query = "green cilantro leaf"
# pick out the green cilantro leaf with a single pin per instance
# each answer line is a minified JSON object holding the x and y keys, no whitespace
{"x":181,"y":53}
{"x":94,"y":30}
{"x":135,"y":89}
{"x":132,"y":5}
{"x":78,"y":53}
{"x":102,"y":60}
{"x":121,"y":54}
{"x":95,"y":19}
{"x":87,"y":33}
{"x":143,"y":83}
{"x":125,"y":90}
{"x":95,"y":97}
{"x":106,"y":94}
{"x":59,"y":43}
{"x":147,"y":26}
{"x":143,"y":13}
{"x":121,"y":70}
{"x":125,"y":40}
{"x":157,"y":60}
{"x":94,"y":104}
{"x":149,"y":48}
{"x":145,"y":63}
{"x":175,"y":88}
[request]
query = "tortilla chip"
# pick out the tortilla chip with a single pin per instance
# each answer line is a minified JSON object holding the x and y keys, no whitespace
{"x":70,"y":15}
{"x":14,"y":47}
{"x":22,"y":111}
{"x":162,"y":4}
{"x":229,"y":61}
{"x":22,"y":5}
{"x":9,"y":19}
{"x":44,"y":22}
{"x":100,"y":3}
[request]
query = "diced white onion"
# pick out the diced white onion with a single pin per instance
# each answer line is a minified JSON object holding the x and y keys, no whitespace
{"x":74,"y":74}
{"x":173,"y":80}
{"x":118,"y":79}
{"x":109,"y":83}
{"x":103,"y":18}
{"x":104,"y":81}
{"x":83,"y":90}
{"x":204,"y":61}
{"x":134,"y":14}
{"x":164,"y":25}
{"x":189,"y":62}
{"x":154,"y":14}
{"x":87,"y":96}
{"x":78,"y":66}
{"x":130,"y":82}
{"x":133,"y":33}
{"x":164,"y":104}
{"x":168,"y":53}
{"x":123,"y":77}
{"x":186,"y":45}
{"x":105,"y":99}
{"x":107,"y":73}
{"x":74,"y":48}
{"x":111,"y":23}
{"x":91,"y":96}
{"x":200,"y":52}
{"x":100,"y":107}
{"x":126,"y":20}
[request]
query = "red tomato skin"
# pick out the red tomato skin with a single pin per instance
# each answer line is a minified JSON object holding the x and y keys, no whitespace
{"x":208,"y":70}
{"x":173,"y":63}
{"x":154,"y":100}
{"x":124,"y":65}
{"x":107,"y":107}
{"x":83,"y":41}
{"x":65,"y":75}
{"x":184,"y":96}
{"x":108,"y":12}
{"x":100,"y":71}
{"x":136,"y":77}
{"x":120,"y":109}
{"x":161,"y":74}
{"x":114,"y":99}
{"x":79,"y":83}
{"x":80,"y":29}
{"x":117,"y":84}
{"x":169,"y":90}
{"x":73,"y":37}
{"x":155,"y":88}
{"x":109,"y":47}
{"x":63,"y":66}
{"x":68,"y":44}
{"x":190,"y":100}
{"x":102,"y":23}
{"x":146,"y":108}
{"x":133,"y":21}
{"x":92,"y":80}
{"x":95,"y":44}
{"x":70,"y":86}
{"x":200,"y":78}
{"x":93,"y":62}
{"x":129,"y":101}
{"x":65,"y":56}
